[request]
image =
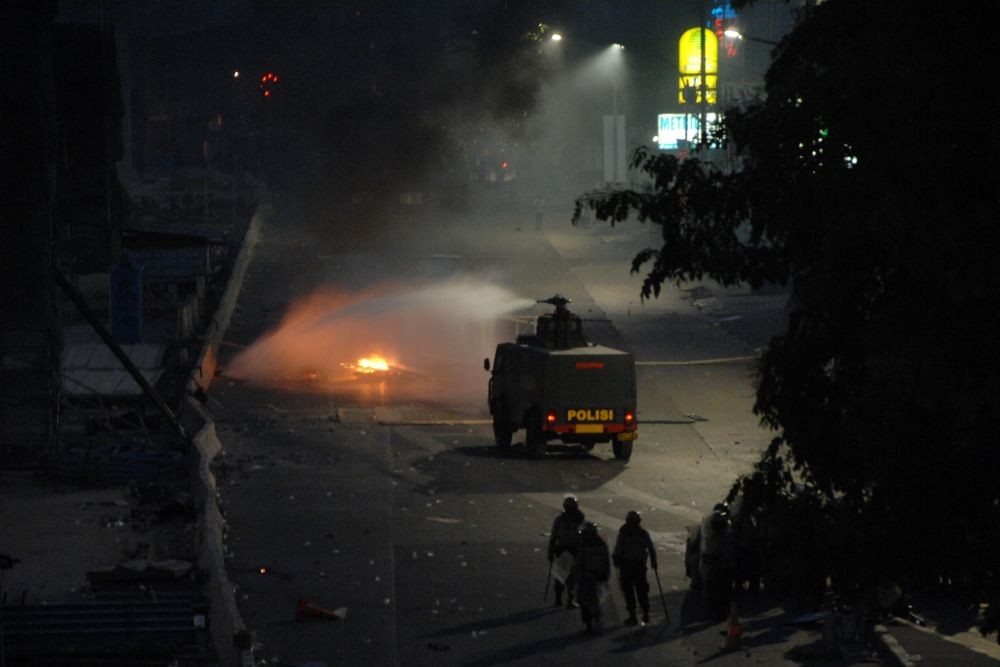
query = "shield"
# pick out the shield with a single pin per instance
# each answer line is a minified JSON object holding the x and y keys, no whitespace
{"x":562,"y":566}
{"x":603,"y":594}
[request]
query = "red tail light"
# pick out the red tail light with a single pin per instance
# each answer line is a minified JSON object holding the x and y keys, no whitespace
{"x":550,"y":418}
{"x":629,"y":417}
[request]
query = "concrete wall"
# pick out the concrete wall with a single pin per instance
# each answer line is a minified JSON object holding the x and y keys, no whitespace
{"x":232,"y":640}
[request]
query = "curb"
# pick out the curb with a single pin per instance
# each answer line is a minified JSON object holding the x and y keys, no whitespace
{"x":890,"y":648}
{"x":961,"y":647}
{"x":231,"y":639}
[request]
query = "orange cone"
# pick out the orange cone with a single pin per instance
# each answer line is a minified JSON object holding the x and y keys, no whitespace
{"x":734,"y":631}
{"x":307,"y":611}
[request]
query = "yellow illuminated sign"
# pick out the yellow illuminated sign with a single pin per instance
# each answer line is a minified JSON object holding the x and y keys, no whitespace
{"x":689,"y":66}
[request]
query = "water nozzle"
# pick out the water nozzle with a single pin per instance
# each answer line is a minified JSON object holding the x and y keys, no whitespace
{"x":558,"y":301}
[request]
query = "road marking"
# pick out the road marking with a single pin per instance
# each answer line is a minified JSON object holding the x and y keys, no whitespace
{"x":699,"y":362}
{"x":682,"y":422}
{"x":435,"y":422}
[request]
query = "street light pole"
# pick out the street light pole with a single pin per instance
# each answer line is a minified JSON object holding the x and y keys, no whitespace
{"x":702,"y":112}
{"x":617,"y":142}
{"x":614,"y":95}
{"x":618,"y":48}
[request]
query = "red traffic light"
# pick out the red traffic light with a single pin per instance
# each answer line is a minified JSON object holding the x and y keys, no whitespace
{"x":266,"y":82}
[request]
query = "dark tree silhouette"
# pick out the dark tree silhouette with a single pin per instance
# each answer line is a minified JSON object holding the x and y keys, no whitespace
{"x":868,"y":179}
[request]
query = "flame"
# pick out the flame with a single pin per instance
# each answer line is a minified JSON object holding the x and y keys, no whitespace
{"x":372,"y":364}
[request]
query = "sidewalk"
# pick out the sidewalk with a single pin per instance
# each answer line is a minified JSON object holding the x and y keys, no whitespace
{"x":771,"y":634}
{"x":907,"y":644}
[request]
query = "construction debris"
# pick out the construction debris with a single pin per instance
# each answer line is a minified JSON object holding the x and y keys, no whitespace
{"x":307,"y":611}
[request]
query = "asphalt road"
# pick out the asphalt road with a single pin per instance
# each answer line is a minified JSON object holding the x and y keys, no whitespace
{"x":402,"y":511}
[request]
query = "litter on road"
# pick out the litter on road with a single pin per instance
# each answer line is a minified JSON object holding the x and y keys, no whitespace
{"x":307,"y":611}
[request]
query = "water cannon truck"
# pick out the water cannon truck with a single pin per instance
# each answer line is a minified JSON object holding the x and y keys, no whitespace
{"x":557,"y":385}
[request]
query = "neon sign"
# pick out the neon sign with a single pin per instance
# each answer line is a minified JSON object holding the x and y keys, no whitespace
{"x":723,"y":15}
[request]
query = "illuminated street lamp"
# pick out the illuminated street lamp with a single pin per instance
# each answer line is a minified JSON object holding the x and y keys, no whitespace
{"x":611,"y":58}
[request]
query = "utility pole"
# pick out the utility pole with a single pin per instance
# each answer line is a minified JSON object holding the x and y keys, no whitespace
{"x":702,"y":111}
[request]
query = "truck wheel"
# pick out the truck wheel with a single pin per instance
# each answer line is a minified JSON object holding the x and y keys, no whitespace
{"x":502,"y":431}
{"x":622,"y":450}
{"x":535,"y":442}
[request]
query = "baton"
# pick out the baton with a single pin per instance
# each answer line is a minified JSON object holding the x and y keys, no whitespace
{"x":656,"y":573}
{"x":548,"y":580}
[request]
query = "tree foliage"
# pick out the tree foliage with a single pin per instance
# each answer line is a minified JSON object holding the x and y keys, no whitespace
{"x":867,"y":178}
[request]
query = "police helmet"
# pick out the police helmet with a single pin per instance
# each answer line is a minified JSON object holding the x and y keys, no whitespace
{"x":570,"y":502}
{"x":633,"y":517}
{"x":720,"y":515}
{"x":588,"y":529}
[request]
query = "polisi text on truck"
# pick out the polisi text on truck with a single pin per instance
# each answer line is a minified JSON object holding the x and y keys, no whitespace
{"x":590,"y":415}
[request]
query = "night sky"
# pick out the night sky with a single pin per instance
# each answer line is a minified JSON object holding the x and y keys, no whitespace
{"x":411,"y":83}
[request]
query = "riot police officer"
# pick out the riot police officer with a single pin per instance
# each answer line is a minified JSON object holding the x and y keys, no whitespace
{"x":565,"y":537}
{"x":632,"y":548}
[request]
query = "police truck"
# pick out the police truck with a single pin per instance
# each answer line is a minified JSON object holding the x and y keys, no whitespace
{"x":558,"y":386}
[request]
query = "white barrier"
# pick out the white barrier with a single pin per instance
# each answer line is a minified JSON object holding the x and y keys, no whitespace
{"x":232,"y":641}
